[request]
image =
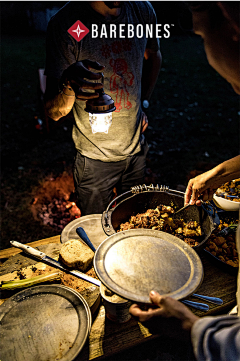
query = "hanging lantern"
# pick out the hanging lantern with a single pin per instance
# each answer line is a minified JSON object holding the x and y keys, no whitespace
{"x":100,"y":111}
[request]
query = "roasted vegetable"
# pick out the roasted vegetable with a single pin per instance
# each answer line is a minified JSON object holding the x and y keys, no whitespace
{"x":10,"y":285}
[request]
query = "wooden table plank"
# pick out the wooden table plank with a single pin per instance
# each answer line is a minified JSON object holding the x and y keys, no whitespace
{"x":217,"y":282}
{"x":108,"y":338}
{"x":8,"y":252}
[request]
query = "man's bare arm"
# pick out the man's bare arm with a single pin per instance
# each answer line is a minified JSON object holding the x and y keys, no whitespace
{"x":206,"y":183}
{"x":58,"y":104}
{"x":151,"y":67}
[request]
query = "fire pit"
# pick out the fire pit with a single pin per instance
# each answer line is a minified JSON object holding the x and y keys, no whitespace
{"x":54,"y":202}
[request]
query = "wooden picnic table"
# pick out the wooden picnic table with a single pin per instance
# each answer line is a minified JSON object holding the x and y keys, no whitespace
{"x":108,"y":338}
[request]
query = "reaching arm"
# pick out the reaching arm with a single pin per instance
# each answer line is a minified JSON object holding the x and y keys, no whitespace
{"x":205,"y":184}
{"x":165,"y":316}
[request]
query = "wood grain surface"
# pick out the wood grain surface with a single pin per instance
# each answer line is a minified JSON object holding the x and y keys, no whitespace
{"x":21,"y":264}
{"x":8,"y":252}
{"x":108,"y":338}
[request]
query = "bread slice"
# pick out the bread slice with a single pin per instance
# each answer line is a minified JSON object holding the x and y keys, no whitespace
{"x":75,"y":254}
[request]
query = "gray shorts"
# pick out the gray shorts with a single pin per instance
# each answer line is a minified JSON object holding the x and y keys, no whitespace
{"x":95,"y":180}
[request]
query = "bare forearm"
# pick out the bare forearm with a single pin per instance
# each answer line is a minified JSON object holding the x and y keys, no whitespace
{"x":151,"y":68}
{"x":205,"y":184}
{"x":225,"y":172}
{"x":60,"y":105}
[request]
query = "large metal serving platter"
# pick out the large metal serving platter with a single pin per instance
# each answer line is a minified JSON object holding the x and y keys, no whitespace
{"x":134,"y":262}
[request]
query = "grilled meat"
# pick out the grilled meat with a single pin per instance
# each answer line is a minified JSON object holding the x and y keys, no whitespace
{"x":160,"y":219}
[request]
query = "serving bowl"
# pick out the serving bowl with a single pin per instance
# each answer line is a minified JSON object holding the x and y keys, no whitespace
{"x":226,"y":204}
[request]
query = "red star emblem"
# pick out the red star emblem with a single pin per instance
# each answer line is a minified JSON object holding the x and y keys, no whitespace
{"x":78,"y":30}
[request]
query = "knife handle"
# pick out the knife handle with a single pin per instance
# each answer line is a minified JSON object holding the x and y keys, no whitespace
{"x":80,"y":231}
{"x":27,"y":249}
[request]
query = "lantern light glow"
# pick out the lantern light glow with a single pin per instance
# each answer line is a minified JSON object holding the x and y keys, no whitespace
{"x":100,"y":123}
{"x":100,"y":112}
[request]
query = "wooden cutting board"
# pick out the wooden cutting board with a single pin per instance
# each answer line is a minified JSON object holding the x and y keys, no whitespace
{"x":23,"y":266}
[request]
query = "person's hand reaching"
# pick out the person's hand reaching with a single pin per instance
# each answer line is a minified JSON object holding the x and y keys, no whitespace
{"x":165,"y":316}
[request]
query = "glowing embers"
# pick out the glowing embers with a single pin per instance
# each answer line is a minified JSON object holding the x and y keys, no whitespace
{"x":53,"y":202}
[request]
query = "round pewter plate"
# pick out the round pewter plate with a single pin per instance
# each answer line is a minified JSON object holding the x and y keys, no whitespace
{"x":134,"y":262}
{"x":48,"y":322}
{"x":92,"y":224}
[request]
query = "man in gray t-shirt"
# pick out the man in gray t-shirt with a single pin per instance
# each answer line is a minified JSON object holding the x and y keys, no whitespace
{"x":115,"y":157}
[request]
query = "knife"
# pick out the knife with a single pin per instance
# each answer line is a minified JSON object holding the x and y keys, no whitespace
{"x":52,"y":262}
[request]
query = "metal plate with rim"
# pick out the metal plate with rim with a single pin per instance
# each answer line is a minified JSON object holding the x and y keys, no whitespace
{"x":92,"y":225}
{"x":48,"y":322}
{"x":134,"y":262}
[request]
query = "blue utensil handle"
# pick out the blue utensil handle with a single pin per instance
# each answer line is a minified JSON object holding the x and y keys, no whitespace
{"x":197,"y":305}
{"x":216,"y":300}
{"x":82,"y":234}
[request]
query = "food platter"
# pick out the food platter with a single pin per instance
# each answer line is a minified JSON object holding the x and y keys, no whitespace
{"x":48,"y":322}
{"x":227,"y":222}
{"x":134,"y":262}
{"x":222,"y":265}
{"x":91,"y":224}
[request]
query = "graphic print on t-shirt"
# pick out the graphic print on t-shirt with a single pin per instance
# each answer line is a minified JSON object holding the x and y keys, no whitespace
{"x":120,"y":80}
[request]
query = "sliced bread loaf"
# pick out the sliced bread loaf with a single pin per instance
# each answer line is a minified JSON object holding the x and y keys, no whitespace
{"x":75,"y":254}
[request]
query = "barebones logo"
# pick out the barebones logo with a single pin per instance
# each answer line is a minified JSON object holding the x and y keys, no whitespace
{"x":78,"y":30}
{"x":121,"y":31}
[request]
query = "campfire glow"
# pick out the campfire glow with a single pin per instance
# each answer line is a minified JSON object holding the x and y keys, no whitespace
{"x":53,"y":202}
